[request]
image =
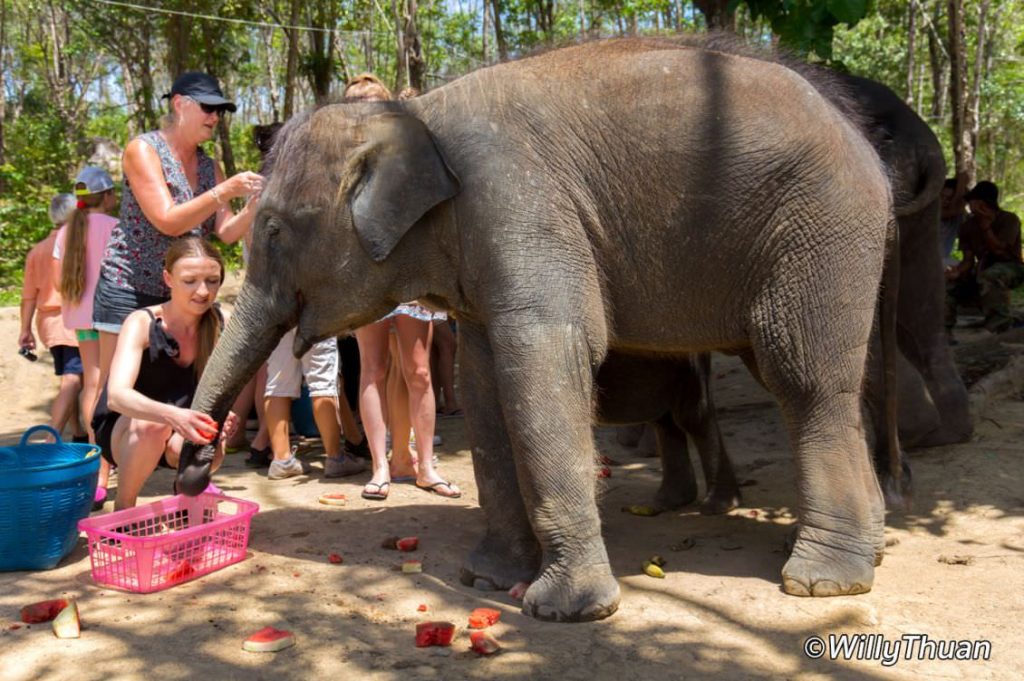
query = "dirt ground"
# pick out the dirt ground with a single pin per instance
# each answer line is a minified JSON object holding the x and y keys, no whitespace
{"x":719,"y":613}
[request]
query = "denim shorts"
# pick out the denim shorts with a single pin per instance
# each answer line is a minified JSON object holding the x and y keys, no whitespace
{"x":66,"y":360}
{"x":112,"y":305}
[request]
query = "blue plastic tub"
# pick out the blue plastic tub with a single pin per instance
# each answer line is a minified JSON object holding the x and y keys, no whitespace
{"x":45,"y":489}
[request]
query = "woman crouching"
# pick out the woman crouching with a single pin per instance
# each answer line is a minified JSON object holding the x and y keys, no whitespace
{"x":143,"y":415}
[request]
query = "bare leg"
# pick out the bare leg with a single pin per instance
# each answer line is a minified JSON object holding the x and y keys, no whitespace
{"x":373,"y":357}
{"x":399,"y":421}
{"x":414,"y":346}
{"x":262,"y":438}
{"x":65,"y":405}
{"x":137,"y":446}
{"x":278,"y":411}
{"x":325,"y":414}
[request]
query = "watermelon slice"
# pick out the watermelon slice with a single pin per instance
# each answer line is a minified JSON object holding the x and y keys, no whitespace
{"x":332,"y":499}
{"x":481,"y":618}
{"x":268,"y":640}
{"x":181,"y":572}
{"x":67,"y":624}
{"x":411,"y":566}
{"x":482,"y":643}
{"x":335,"y":558}
{"x":434,"y":634}
{"x":43,"y":611}
{"x":422,"y":607}
{"x":407,"y":544}
{"x":390,"y":543}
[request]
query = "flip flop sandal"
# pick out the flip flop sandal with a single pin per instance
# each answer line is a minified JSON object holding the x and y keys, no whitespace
{"x":380,"y":495}
{"x":433,"y":489}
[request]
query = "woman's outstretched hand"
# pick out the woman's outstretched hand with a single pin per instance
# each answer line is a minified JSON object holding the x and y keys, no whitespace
{"x":194,"y":426}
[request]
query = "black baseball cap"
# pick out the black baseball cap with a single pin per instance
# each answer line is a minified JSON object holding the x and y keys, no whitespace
{"x":984,"y":191}
{"x":201,"y":87}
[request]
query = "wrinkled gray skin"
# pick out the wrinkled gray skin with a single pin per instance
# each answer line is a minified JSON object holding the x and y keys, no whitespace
{"x":676,"y":201}
{"x":932,"y":400}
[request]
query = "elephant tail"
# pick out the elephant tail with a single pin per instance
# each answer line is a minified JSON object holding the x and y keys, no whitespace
{"x":894,"y":476}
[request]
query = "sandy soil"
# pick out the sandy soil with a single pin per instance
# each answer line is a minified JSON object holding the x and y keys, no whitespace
{"x":720,"y":613}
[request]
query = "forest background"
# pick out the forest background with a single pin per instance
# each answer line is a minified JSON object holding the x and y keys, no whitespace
{"x":79,"y":78}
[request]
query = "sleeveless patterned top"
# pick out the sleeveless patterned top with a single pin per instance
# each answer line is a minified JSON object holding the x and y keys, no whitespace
{"x":134,"y":259}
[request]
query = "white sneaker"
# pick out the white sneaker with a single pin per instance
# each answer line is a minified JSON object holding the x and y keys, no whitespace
{"x":289,"y":468}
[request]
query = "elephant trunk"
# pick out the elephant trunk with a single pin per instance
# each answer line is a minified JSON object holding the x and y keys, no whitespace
{"x":252,"y":334}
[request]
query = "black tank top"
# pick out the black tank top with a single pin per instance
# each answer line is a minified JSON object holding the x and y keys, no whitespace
{"x":160,"y":377}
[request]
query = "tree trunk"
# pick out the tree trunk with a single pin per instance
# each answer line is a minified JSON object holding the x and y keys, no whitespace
{"x":3,"y":86}
{"x":962,"y":153}
{"x":974,"y":99}
{"x":401,"y":61}
{"x":268,"y":43}
{"x":717,"y":14}
{"x":911,"y":45}
{"x":938,"y":68}
{"x":291,"y":68}
{"x":499,"y":34}
{"x":179,"y":28}
{"x":415,"y":62}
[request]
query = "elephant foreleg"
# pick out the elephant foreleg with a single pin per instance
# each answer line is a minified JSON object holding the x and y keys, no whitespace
{"x":545,"y":379}
{"x":509,"y":552}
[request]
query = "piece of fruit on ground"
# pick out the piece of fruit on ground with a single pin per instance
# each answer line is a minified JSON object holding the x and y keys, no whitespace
{"x":412,"y":566}
{"x":43,"y":611}
{"x":407,"y":544}
{"x":332,"y":499}
{"x":481,"y":618}
{"x":67,"y":624}
{"x":483,"y":643}
{"x":434,"y":634}
{"x":335,"y":558}
{"x":181,"y":571}
{"x":269,"y":640}
{"x":518,"y":590}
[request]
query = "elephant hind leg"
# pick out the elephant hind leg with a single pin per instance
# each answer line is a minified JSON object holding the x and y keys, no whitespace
{"x":816,"y":374}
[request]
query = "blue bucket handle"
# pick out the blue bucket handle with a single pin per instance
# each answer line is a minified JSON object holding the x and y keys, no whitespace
{"x":35,"y":429}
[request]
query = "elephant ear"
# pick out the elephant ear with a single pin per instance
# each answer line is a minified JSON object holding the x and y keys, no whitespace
{"x":403,"y":176}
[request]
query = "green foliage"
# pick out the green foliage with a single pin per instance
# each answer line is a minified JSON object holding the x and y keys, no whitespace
{"x":807,"y":26}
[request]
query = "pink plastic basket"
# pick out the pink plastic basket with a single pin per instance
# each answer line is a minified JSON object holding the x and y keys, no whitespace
{"x":154,"y":547}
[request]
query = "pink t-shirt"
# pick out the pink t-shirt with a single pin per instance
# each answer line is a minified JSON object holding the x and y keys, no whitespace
{"x":98,"y":232}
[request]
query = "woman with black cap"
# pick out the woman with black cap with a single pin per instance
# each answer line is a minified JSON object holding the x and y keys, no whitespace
{"x":172,"y":189}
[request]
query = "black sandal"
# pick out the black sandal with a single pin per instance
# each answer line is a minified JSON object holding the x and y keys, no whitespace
{"x":382,"y":491}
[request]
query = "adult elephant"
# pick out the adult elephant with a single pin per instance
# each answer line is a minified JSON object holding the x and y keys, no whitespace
{"x":630,"y":195}
{"x":933,"y":399}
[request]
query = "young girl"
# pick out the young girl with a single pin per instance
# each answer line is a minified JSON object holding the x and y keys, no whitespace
{"x":79,"y":251}
{"x":143,"y":414}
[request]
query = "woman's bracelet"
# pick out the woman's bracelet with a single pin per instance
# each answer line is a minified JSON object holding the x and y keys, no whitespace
{"x":216,"y":196}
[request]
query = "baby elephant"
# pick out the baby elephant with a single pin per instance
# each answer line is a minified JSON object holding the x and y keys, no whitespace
{"x":674,"y":397}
